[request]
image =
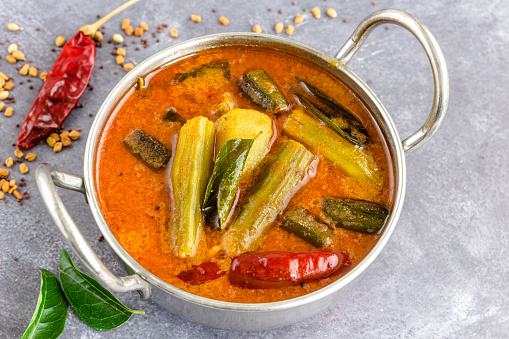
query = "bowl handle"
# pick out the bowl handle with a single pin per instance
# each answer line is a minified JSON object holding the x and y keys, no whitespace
{"x":46,"y":178}
{"x":435,"y":56}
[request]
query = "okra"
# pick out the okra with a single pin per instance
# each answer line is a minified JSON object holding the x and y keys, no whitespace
{"x":354,"y":215}
{"x":189,"y":176}
{"x":350,"y":159}
{"x":279,"y":180}
{"x":172,"y":116}
{"x":306,"y":227}
{"x":203,"y":69}
{"x":226,"y":104}
{"x":263,"y":91}
{"x":147,"y":149}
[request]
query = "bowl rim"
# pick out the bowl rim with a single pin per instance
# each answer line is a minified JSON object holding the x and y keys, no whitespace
{"x":183,"y":49}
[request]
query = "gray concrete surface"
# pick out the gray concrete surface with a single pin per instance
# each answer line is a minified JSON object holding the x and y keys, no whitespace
{"x":444,"y":272}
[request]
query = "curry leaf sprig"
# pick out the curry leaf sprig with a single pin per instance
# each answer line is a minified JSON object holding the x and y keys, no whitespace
{"x":95,"y":305}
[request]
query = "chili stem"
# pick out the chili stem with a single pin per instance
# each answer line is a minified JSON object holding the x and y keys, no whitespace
{"x":91,"y":29}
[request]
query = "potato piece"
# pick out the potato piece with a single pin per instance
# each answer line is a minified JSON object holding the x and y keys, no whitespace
{"x":245,"y":124}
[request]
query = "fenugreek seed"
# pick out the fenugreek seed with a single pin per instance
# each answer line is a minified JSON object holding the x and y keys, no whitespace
{"x":289,"y":30}
{"x":174,"y":33}
{"x":98,"y":36}
{"x":121,"y":51}
{"x":5,"y":186}
{"x":196,"y":18}
{"x":120,"y":59}
{"x":2,"y":105}
{"x":32,"y":71}
{"x":30,"y":156}
{"x":18,"y":55}
{"x":279,"y":27}
{"x":10,"y":59}
{"x":125,"y":23}
{"x":9,"y":85}
{"x":118,"y":38}
{"x":4,"y":95}
{"x":144,"y":26}
{"x":51,"y":142}
{"x":13,"y":27}
{"x":24,"y":69}
{"x":298,"y":19}
{"x":64,"y":134}
{"x":60,"y":41}
{"x":4,"y":172}
{"x":332,"y":12}
{"x":257,"y":29}
{"x":12,"y":189}
{"x":2,"y":83}
{"x":43,"y":75}
{"x":3,"y":76}
{"x":12,"y":48}
{"x":224,"y":20}
{"x":9,"y":111}
{"x":316,"y":12}
{"x":55,"y":136}
{"x":128,"y":67}
{"x":23,"y":168}
{"x":138,"y":32}
{"x":18,"y":153}
{"x":12,"y":183}
{"x":57,"y":147}
{"x":2,"y":194}
{"x":17,"y":195}
{"x":74,"y":135}
{"x":66,"y":141}
{"x":9,"y":162}
{"x":129,"y":30}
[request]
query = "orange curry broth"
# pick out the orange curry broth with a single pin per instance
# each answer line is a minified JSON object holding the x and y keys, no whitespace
{"x":135,"y":200}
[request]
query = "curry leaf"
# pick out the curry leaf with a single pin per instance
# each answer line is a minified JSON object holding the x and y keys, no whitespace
{"x":95,"y":305}
{"x":50,"y":313}
{"x":226,"y":176}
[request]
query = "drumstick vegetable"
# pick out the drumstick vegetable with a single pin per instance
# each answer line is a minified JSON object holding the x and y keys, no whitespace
{"x":279,"y":180}
{"x":64,"y":85}
{"x":281,"y":269}
{"x":189,"y":176}
{"x":349,"y":158}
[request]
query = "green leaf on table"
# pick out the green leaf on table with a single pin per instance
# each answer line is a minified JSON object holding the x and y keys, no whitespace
{"x":95,"y":305}
{"x":50,"y":313}
{"x":226,"y":176}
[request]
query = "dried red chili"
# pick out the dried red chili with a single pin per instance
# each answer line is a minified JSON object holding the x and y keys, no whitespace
{"x":198,"y":274}
{"x":63,"y":86}
{"x":280,"y":269}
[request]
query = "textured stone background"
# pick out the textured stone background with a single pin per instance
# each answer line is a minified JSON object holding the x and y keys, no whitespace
{"x":443,"y":273}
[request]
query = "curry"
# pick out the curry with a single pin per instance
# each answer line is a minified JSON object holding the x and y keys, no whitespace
{"x":223,"y":170}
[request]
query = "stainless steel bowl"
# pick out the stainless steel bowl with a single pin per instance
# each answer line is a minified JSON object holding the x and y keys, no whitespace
{"x":227,"y":314}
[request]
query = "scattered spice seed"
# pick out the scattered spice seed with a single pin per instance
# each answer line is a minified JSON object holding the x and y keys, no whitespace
{"x":66,"y":141}
{"x":138,"y":31}
{"x":257,"y":29}
{"x":12,"y":48}
{"x":120,"y":59}
{"x":4,"y":95}
{"x":24,"y":69}
{"x":30,"y":157}
{"x":125,"y":23}
{"x":98,"y":36}
{"x":129,"y":30}
{"x":195,"y":18}
{"x":174,"y":33}
{"x":10,"y":59}
{"x":316,"y":12}
{"x":57,"y":147}
{"x":32,"y":71}
{"x":8,"y":85}
{"x":373,"y":3}
{"x":128,"y":67}
{"x":3,"y":76}
{"x":144,"y":26}
{"x":298,"y":19}
{"x":289,"y":30}
{"x":224,"y":20}
{"x":2,"y":105}
{"x":17,"y":194}
{"x":4,"y":172}
{"x":280,"y":11}
{"x":18,"y":153}
{"x":279,"y":27}
{"x":74,"y":135}
{"x":15,"y":258}
{"x":386,"y":27}
{"x":51,"y":142}
{"x":118,"y":38}
{"x":18,"y":55}
{"x":121,"y":52}
{"x":60,"y":41}
{"x":13,"y":27}
{"x":9,"y":162}
{"x":23,"y":168}
{"x":99,"y":238}
{"x":9,"y":111}
{"x":2,"y":194}
{"x":332,"y":12}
